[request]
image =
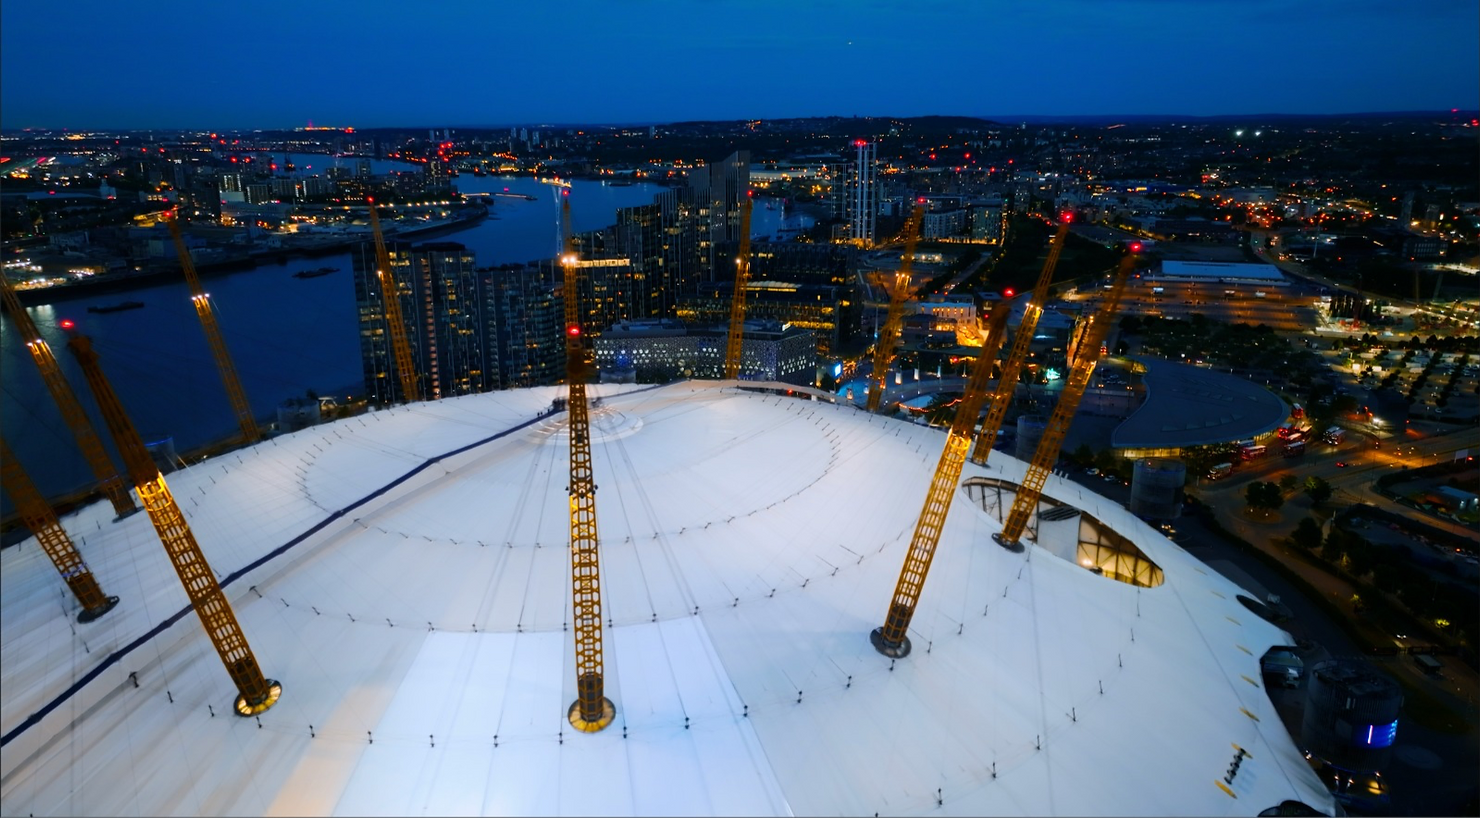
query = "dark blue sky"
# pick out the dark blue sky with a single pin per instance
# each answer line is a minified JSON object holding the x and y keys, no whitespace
{"x":367,"y":63}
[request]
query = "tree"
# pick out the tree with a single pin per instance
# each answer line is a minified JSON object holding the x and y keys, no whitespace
{"x":1266,"y":496}
{"x":1307,"y":534}
{"x":1273,"y":497}
{"x":1288,"y":482}
{"x":1083,"y":456}
{"x":1318,"y":489}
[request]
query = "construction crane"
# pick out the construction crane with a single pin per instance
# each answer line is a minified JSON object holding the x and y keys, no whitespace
{"x":66,"y":400}
{"x":899,"y":292}
{"x":737,"y":306}
{"x":41,"y":519}
{"x":892,"y":638}
{"x":256,"y":692}
{"x":1063,"y":414}
{"x":1007,"y":382}
{"x":202,"y":302}
{"x":390,"y":293}
{"x":592,"y":711}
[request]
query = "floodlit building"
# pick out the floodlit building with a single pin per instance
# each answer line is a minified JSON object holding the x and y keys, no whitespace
{"x":405,"y":576}
{"x":662,"y":350}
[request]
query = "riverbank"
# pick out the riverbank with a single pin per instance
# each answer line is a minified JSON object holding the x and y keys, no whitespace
{"x":310,"y":246}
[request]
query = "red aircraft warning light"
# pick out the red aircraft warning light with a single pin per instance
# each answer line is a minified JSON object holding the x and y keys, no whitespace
{"x":67,"y":323}
{"x":1135,"y":247}
{"x":1009,"y":292}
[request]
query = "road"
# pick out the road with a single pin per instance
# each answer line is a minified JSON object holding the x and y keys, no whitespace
{"x":1353,"y":482}
{"x":1258,"y":241}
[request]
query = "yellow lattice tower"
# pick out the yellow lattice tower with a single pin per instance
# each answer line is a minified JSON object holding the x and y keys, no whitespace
{"x":899,"y":292}
{"x":66,"y":400}
{"x":1047,"y":452}
{"x":42,"y":521}
{"x":257,"y":693}
{"x":592,"y":710}
{"x":892,"y":638}
{"x":1007,"y":384}
{"x":202,"y":302}
{"x":390,"y":294}
{"x":737,"y":306}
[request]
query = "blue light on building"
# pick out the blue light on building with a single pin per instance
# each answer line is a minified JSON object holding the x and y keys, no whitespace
{"x":1377,"y":735}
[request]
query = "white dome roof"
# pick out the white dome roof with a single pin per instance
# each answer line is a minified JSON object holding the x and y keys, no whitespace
{"x":749,"y":543}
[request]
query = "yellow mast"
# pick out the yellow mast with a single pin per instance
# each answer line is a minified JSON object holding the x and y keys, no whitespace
{"x":899,"y":292}
{"x":737,"y":306}
{"x":592,"y":711}
{"x":66,"y":400}
{"x":1063,"y":414}
{"x":1007,"y":383}
{"x":202,"y":302}
{"x":41,"y":519}
{"x":390,"y":294}
{"x":256,"y":692}
{"x":892,"y":639}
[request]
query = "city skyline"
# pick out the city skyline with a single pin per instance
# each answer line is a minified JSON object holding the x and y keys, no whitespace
{"x":469,"y":65}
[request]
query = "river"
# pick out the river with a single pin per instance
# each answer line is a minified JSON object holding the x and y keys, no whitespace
{"x":286,"y":335}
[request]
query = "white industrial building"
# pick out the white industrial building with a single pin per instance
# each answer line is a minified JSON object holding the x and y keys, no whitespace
{"x":405,"y":576}
{"x":1219,"y":272}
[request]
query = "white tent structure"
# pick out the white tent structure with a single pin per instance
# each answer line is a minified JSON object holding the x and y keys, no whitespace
{"x":405,"y":576}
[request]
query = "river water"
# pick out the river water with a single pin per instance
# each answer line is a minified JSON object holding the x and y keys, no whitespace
{"x":286,"y":335}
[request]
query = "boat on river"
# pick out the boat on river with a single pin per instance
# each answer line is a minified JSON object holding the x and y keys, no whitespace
{"x":126,"y":305}
{"x":322,"y":271}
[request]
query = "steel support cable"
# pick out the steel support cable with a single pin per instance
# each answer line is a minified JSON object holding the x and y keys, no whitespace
{"x":506,"y":545}
{"x":632,"y":539}
{"x":665,"y":547}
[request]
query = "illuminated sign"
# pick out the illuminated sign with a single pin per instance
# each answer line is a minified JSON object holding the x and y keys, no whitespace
{"x":1377,"y":735}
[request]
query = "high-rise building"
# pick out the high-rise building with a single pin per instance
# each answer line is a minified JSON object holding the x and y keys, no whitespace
{"x":987,"y":221}
{"x":443,"y":311}
{"x":686,"y":237}
{"x":653,"y":237}
{"x":861,"y":207}
{"x":719,"y":191}
{"x":525,"y":325}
